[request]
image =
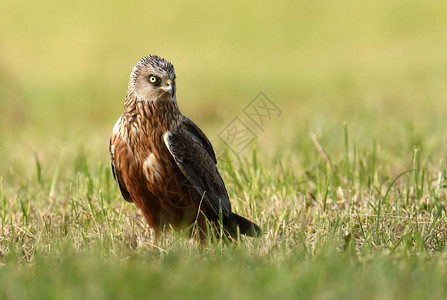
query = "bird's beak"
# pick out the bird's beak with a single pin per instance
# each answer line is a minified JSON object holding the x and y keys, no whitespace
{"x":169,"y":87}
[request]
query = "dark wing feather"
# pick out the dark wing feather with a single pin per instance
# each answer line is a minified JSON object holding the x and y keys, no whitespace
{"x":117,"y":176}
{"x":199,"y":167}
{"x":197,"y":132}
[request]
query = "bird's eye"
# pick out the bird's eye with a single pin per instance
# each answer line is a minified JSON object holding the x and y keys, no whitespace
{"x":153,"y":79}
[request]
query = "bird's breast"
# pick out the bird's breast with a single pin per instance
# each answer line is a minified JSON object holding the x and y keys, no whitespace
{"x":152,"y":168}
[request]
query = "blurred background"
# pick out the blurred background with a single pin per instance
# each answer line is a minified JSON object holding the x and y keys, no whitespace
{"x":380,"y":66}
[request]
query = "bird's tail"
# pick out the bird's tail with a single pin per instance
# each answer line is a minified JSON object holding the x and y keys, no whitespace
{"x":245,"y":226}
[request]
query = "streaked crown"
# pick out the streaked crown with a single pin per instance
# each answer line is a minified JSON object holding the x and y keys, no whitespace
{"x":152,"y":79}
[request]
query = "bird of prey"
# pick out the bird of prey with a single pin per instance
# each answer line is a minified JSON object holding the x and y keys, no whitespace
{"x":164,"y":163}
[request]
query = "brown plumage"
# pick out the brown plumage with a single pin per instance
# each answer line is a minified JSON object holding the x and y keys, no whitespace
{"x":163,"y":162}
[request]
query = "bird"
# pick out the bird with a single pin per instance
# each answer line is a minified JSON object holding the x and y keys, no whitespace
{"x":164,"y":163}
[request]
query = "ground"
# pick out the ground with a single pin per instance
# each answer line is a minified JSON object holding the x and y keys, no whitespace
{"x":345,"y":171}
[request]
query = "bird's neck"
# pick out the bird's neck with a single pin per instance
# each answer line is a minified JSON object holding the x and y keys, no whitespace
{"x":162,"y":114}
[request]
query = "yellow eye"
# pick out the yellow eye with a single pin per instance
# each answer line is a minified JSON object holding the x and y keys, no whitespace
{"x":153,"y":79}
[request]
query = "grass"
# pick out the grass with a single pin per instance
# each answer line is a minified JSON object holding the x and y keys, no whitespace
{"x":339,"y":229}
{"x":348,"y":183}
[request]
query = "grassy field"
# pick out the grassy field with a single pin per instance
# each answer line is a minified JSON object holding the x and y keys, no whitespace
{"x":348,"y":182}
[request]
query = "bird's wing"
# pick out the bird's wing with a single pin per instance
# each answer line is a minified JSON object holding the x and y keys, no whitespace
{"x":197,"y":132}
{"x":199,"y":167}
{"x":117,"y":174}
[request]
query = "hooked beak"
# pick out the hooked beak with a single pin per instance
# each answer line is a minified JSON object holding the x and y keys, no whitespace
{"x":169,"y":87}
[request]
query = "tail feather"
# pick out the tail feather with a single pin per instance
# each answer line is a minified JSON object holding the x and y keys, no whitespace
{"x":245,"y":226}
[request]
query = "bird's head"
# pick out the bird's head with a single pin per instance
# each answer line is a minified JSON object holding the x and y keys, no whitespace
{"x":153,"y":79}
